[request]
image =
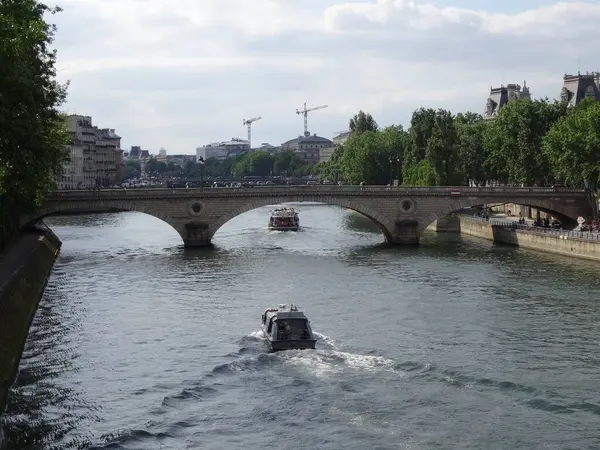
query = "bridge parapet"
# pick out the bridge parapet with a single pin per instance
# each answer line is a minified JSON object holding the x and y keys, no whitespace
{"x":358,"y":191}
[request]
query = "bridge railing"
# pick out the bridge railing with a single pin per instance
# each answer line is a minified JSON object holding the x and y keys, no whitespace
{"x":542,"y":231}
{"x":325,"y":189}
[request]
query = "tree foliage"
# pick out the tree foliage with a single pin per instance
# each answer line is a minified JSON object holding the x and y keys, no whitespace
{"x":572,"y":146}
{"x":33,"y":133}
{"x":260,"y":163}
{"x":470,"y":152}
{"x":362,"y":122}
{"x":373,"y":157}
{"x":513,"y":141}
{"x":431,"y":157}
{"x":531,"y":142}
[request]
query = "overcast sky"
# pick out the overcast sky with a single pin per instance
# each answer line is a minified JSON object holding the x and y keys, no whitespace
{"x":182,"y":73}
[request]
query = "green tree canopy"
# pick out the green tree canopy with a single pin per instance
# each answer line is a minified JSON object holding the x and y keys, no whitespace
{"x":432,"y":138}
{"x":373,"y":156}
{"x":470,"y":151}
{"x":33,"y":133}
{"x":362,"y":122}
{"x":572,"y":145}
{"x":257,"y":163}
{"x":288,"y":163}
{"x":513,"y":141}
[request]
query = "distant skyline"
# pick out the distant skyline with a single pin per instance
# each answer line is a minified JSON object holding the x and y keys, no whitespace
{"x":182,"y":74}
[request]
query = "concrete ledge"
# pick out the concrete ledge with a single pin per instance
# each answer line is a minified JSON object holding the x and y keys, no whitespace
{"x":549,"y":243}
{"x":447,"y":224}
{"x":24,"y":270}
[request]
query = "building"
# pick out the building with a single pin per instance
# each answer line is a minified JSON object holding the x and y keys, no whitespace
{"x":502,"y":95}
{"x":308,"y":147}
{"x":162,"y":152}
{"x":178,"y":160}
{"x":341,"y":137}
{"x":95,"y":156}
{"x":134,"y":153}
{"x":222,"y":150}
{"x":142,"y":156}
{"x":326,"y":153}
{"x":579,"y":87}
{"x":266,"y":147}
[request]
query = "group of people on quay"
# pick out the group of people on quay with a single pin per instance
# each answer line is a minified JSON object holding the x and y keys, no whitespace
{"x":591,"y":226}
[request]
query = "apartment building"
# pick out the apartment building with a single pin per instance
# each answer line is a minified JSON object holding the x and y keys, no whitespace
{"x":95,"y":158}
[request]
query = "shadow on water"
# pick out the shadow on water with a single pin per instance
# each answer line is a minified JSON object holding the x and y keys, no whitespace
{"x":453,"y":248}
{"x":35,"y":415}
{"x":110,"y":220}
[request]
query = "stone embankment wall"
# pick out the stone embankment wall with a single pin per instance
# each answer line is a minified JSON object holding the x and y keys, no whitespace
{"x":479,"y":229}
{"x":448,"y":224}
{"x":558,"y":243}
{"x":24,"y":270}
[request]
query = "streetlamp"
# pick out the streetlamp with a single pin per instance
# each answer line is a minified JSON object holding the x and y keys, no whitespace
{"x":397,"y":160}
{"x":201,"y":162}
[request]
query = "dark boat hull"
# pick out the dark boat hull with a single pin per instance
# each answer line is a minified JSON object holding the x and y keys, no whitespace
{"x":303,"y":344}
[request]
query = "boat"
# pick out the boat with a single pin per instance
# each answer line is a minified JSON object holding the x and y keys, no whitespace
{"x":287,"y":329}
{"x":284,"y":219}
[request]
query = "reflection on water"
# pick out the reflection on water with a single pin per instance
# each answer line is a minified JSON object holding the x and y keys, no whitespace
{"x":142,"y":344}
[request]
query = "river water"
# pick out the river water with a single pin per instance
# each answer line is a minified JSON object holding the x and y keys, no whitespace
{"x":456,"y":344}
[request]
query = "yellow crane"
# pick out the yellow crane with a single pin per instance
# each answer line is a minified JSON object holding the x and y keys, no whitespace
{"x":305,"y":112}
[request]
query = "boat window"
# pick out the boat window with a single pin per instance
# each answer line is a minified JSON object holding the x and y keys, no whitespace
{"x":270,"y":325}
{"x":296,"y":328}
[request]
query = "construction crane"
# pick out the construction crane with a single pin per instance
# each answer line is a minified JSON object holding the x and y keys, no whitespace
{"x":305,"y":112}
{"x":248,"y":123}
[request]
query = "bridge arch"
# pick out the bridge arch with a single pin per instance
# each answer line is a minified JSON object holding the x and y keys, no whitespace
{"x":84,"y":207}
{"x":384,"y":223}
{"x":558,"y":210}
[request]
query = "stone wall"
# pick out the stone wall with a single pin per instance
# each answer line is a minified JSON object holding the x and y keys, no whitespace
{"x":476,"y":228}
{"x":543,"y":242}
{"x":447,"y":224}
{"x":24,"y":269}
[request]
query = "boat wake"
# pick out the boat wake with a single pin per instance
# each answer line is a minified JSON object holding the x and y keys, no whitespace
{"x":329,"y":357}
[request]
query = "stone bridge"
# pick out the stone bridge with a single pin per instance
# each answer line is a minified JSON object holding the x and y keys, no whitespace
{"x":402,"y":213}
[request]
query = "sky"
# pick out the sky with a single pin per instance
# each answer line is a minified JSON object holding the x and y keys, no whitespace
{"x":179,"y":74}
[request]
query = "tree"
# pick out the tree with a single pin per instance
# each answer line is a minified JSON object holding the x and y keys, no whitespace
{"x":373,"y":156}
{"x":572,"y":145}
{"x":432,"y":138}
{"x":287,"y":163}
{"x":332,"y":169}
{"x":441,"y":149}
{"x":513,"y":141}
{"x":257,"y":163}
{"x":151,"y":166}
{"x":470,"y":151}
{"x":362,"y":122}
{"x":419,"y":133}
{"x":33,"y":133}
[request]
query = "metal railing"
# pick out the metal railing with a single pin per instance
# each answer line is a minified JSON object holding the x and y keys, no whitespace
{"x":541,"y":231}
{"x":457,"y":192}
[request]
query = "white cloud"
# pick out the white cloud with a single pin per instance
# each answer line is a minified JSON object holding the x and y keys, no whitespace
{"x":182,"y":73}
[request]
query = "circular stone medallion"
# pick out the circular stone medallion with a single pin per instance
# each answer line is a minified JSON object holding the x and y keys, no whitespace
{"x":196,"y":208}
{"x":406,"y":205}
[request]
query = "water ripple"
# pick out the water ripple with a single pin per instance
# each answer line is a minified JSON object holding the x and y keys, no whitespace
{"x":141,"y":344}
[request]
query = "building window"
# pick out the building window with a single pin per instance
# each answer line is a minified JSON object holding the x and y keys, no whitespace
{"x":589,"y":92}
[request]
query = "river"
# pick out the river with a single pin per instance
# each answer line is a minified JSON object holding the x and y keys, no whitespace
{"x":456,"y":344}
